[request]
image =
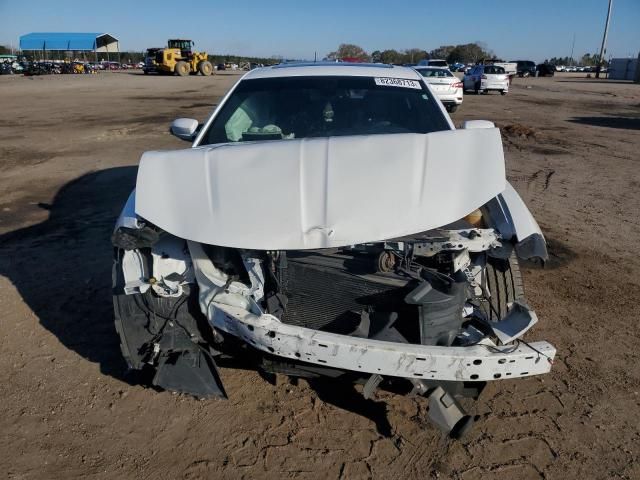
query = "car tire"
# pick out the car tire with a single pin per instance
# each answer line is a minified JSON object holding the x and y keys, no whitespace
{"x":503,"y":282}
{"x":476,"y":88}
{"x":526,"y":74}
{"x":452,"y":108}
{"x":182,"y":69}
{"x":205,"y":68}
{"x":503,"y":92}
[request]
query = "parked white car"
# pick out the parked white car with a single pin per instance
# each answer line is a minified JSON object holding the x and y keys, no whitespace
{"x":433,"y":62}
{"x":484,"y":78}
{"x":445,"y":84}
{"x":330,"y":221}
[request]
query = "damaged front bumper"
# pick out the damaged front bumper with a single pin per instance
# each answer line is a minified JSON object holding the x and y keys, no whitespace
{"x":483,"y":361}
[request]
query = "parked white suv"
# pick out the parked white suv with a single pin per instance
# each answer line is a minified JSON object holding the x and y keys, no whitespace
{"x":484,"y":78}
{"x":329,"y":221}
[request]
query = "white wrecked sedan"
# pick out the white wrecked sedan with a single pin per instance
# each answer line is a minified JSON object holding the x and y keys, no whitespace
{"x":329,"y":220}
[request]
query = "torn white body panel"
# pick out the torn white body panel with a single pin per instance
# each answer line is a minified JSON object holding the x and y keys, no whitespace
{"x":322,"y":192}
{"x":128,"y":218}
{"x":523,"y":221}
{"x":512,"y":216}
{"x":135,"y":272}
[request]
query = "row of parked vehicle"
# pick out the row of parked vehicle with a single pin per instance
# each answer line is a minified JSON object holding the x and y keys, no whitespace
{"x":481,"y":78}
{"x":44,"y":67}
{"x":578,"y":68}
{"x":521,"y":68}
{"x":487,"y":76}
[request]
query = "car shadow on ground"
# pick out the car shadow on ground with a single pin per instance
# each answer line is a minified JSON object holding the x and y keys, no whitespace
{"x":62,"y":270}
{"x":62,"y":266}
{"x":629,"y":123}
{"x":348,"y":398}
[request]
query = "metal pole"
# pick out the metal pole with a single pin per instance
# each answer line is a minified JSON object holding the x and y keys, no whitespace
{"x":604,"y":41}
{"x":573,"y":44}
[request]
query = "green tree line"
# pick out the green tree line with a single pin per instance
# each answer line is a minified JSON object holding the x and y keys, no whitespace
{"x":463,"y":53}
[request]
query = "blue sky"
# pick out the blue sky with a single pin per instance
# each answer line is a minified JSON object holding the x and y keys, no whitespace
{"x":531,"y":29}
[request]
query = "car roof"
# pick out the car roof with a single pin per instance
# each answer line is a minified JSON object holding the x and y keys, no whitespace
{"x":326,"y":69}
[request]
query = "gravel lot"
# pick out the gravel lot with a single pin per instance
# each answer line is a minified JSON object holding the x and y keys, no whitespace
{"x":68,"y":408}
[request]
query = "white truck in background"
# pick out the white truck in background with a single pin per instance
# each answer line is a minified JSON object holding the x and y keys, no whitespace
{"x":510,"y":68}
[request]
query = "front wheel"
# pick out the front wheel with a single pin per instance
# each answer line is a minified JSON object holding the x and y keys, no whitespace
{"x":451,"y":108}
{"x":205,"y":68}
{"x":182,"y":69}
{"x":503,"y":284}
{"x":503,"y":92}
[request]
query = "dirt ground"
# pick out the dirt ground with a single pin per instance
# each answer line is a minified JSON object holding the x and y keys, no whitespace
{"x":69,"y":408}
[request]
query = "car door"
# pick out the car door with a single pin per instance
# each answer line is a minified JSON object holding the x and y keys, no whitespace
{"x":468,"y":78}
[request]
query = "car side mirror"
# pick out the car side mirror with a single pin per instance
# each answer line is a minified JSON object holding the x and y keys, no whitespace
{"x":469,"y":124}
{"x":184,"y":128}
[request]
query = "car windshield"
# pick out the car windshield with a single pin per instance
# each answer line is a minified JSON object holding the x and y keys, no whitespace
{"x":493,"y":70}
{"x":438,"y":63}
{"x":323,"y":106}
{"x":435,"y":72}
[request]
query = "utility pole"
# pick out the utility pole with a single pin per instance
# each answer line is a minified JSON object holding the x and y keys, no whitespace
{"x":573,"y":44}
{"x":603,"y":48}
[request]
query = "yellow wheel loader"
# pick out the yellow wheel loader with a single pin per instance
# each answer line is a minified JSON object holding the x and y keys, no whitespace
{"x":179,"y":59}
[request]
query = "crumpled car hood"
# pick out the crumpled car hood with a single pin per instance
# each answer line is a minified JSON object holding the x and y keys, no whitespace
{"x":320,"y":192}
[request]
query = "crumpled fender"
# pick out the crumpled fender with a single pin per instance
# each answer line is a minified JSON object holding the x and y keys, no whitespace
{"x":510,"y":216}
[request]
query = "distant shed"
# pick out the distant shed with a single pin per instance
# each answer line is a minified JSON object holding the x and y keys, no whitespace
{"x":624,"y":69}
{"x":64,"y":41}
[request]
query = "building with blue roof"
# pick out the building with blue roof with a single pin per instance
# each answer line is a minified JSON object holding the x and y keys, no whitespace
{"x":63,"y":41}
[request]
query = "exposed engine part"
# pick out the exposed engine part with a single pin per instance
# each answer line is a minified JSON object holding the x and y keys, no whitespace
{"x":440,"y":308}
{"x":171,"y":266}
{"x":473,"y":240}
{"x":418,"y":292}
{"x":371,"y":385}
{"x":447,"y":414}
{"x":386,"y":261}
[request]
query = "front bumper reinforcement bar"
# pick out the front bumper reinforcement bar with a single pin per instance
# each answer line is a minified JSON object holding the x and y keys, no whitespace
{"x":481,"y":362}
